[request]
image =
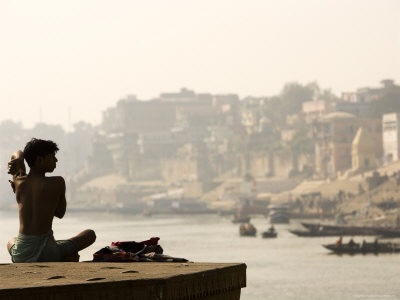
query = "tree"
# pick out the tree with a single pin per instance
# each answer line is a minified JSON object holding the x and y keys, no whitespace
{"x":389,"y":103}
{"x":294,"y":94}
{"x":301,"y":143}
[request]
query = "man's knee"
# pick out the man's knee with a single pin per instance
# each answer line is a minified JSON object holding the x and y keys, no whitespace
{"x":11,"y":243}
{"x":84,"y":239}
{"x":91,"y":235}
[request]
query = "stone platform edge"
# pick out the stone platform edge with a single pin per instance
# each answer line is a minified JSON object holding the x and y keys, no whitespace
{"x":212,"y":282}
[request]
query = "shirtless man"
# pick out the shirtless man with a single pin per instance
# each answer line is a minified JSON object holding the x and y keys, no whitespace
{"x":40,"y":199}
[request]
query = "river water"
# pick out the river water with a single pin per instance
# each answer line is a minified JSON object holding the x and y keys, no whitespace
{"x":287,"y":267}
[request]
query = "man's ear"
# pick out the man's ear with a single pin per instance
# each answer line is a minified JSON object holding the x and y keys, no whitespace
{"x":39,"y":160}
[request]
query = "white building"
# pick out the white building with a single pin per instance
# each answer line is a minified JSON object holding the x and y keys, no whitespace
{"x":315,"y":109}
{"x":391,"y":137}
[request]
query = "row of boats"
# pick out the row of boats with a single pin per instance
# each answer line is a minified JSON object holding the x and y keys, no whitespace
{"x":248,"y":229}
{"x":278,"y":214}
{"x":318,"y":230}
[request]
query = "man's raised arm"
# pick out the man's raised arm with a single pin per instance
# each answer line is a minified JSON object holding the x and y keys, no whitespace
{"x":16,"y":167}
{"x":62,"y":201}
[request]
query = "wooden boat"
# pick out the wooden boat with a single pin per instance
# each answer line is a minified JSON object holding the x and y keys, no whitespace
{"x":364,"y":248}
{"x":279,"y":218}
{"x":389,"y":232}
{"x":279,"y":214}
{"x":269,"y":234}
{"x":343,"y":230}
{"x":304,"y":215}
{"x":317,"y":233}
{"x":247,"y":230}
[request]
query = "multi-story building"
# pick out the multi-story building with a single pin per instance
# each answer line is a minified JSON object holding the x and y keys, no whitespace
{"x":138,"y":138}
{"x":367,"y":94}
{"x":391,"y":137}
{"x":132,"y":115}
{"x":313,"y":110}
{"x":184,"y":95}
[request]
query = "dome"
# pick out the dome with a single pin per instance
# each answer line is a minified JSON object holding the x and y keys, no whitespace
{"x":337,"y":115}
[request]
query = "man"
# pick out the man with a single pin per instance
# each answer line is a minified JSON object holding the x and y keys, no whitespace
{"x":40,"y":199}
{"x":339,"y":242}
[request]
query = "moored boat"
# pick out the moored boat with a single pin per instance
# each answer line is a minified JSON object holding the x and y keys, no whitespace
{"x":279,"y":218}
{"x":364,"y":248}
{"x":267,"y":235}
{"x":279,"y":214}
{"x":389,"y":232}
{"x":317,"y":233}
{"x":343,"y":230}
{"x":271,"y":233}
{"x":247,"y":230}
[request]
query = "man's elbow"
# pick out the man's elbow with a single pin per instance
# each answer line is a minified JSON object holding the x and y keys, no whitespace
{"x":59,"y":214}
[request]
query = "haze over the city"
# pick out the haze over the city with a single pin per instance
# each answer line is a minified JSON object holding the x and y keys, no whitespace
{"x":66,"y":61}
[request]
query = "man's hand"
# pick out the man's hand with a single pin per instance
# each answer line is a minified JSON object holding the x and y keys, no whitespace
{"x":12,"y":185}
{"x":16,"y":164}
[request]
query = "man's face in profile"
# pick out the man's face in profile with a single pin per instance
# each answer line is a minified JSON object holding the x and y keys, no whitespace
{"x":49,"y":162}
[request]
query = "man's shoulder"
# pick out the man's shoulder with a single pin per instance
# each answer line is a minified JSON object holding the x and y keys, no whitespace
{"x":55,"y":180}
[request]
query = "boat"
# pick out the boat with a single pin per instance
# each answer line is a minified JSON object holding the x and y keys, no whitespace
{"x":389,"y":232}
{"x":247,"y":230}
{"x":364,"y":248}
{"x":279,"y":214}
{"x":271,"y":233}
{"x":310,"y":226}
{"x":317,"y":233}
{"x":343,"y":230}
{"x":305,"y":215}
{"x":279,"y":217}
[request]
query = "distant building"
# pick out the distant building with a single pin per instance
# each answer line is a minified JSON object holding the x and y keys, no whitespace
{"x":363,"y":151}
{"x":312,"y":110}
{"x":294,"y":119}
{"x":391,"y":137}
{"x":184,"y":95}
{"x":131,"y":115}
{"x":359,"y":109}
{"x":287,"y":134}
{"x":252,"y":117}
{"x":349,"y":97}
{"x":334,"y":134}
{"x":367,"y":94}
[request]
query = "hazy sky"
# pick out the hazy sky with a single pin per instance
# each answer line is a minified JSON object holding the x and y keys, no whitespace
{"x":84,"y":55}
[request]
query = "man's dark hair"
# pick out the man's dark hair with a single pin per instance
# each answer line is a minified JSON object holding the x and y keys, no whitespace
{"x":37,"y":147}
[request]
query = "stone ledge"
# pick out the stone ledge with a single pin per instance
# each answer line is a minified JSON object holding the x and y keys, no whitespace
{"x":164,"y":281}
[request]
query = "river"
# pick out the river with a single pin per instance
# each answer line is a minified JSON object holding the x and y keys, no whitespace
{"x":287,"y":267}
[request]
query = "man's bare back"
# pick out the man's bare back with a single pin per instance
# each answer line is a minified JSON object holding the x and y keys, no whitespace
{"x":40,"y":199}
